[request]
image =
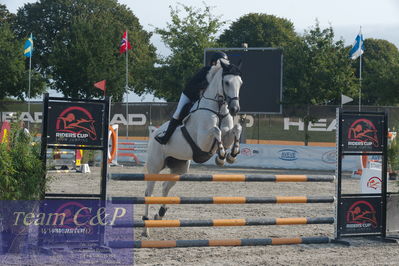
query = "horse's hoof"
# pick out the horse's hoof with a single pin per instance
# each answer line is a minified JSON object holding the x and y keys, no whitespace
{"x":230,"y":158}
{"x":219,"y":162}
{"x":145,"y":234}
{"x":162,"y":211}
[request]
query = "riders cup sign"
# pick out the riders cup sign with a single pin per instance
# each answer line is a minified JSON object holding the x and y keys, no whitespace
{"x":362,"y":133}
{"x":75,"y":123}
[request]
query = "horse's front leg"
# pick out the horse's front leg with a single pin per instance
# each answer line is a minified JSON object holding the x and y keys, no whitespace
{"x":216,"y":133}
{"x":232,"y":137}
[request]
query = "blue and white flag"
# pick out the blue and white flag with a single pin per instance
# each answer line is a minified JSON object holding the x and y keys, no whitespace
{"x":358,"y":47}
{"x":28,"y":48}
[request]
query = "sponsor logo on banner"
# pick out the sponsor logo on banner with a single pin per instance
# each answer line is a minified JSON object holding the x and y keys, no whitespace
{"x":246,"y":152}
{"x":288,"y":155}
{"x":76,"y":123}
{"x":361,"y":214}
{"x":329,"y":157}
{"x":374,"y":183}
{"x":75,"y":219}
{"x":362,"y":132}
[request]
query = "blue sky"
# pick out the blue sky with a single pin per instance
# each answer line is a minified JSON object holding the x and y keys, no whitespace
{"x":379,"y":19}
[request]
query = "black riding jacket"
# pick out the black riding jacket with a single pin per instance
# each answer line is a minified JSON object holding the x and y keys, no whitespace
{"x":197,"y":83}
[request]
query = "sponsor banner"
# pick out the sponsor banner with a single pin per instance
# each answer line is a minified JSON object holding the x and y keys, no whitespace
{"x":75,"y":123}
{"x":360,"y":215}
{"x":290,"y":157}
{"x":370,"y":180}
{"x":67,"y":221}
{"x":362,"y":133}
{"x":75,"y":226}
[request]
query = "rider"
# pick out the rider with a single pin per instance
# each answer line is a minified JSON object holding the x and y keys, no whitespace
{"x":190,"y":95}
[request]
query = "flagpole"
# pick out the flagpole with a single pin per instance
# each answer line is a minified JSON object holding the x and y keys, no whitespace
{"x":29,"y":82}
{"x":127,"y":88}
{"x":360,"y":71}
{"x":360,"y":83}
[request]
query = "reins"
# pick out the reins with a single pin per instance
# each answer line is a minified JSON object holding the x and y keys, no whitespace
{"x":220,"y":100}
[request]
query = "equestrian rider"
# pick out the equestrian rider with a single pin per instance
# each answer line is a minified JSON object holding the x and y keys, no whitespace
{"x":189,"y":96}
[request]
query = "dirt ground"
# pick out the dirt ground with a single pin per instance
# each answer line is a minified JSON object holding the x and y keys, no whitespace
{"x":361,"y":251}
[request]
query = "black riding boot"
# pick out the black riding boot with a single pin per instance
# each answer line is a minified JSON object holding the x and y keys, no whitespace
{"x":163,"y":139}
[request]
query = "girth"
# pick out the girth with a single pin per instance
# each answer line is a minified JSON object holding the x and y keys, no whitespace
{"x":199,"y":156}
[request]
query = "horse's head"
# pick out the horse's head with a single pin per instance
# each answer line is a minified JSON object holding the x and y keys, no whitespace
{"x":231,"y":84}
{"x":226,"y":83}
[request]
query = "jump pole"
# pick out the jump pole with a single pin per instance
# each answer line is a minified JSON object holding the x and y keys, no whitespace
{"x":224,"y":222}
{"x":223,"y":200}
{"x":218,"y":243}
{"x":222,"y":178}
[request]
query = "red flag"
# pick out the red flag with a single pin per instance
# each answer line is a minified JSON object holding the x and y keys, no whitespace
{"x":101,"y":85}
{"x":125,"y":44}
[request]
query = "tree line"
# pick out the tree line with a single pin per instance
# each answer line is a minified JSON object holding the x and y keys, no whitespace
{"x":76,"y":44}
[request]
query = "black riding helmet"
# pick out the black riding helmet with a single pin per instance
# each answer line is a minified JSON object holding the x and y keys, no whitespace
{"x":217,"y":55}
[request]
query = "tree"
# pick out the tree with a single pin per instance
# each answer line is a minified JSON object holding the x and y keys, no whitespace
{"x":317,"y":71}
{"x":187,"y":35}
{"x":13,"y":72}
{"x":380,"y":68}
{"x":259,"y":30}
{"x":77,"y":45}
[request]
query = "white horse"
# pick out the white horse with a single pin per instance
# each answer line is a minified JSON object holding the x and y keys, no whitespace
{"x":210,"y":127}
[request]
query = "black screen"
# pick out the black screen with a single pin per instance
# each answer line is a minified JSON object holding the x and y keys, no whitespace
{"x":261,"y":75}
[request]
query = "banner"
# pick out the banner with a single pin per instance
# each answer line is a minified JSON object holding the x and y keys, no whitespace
{"x":75,"y":123}
{"x":290,"y":157}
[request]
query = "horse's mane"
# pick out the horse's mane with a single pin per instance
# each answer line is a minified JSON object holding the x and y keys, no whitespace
{"x":215,"y":76}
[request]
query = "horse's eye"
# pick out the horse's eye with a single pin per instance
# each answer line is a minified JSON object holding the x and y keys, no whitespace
{"x":226,"y":83}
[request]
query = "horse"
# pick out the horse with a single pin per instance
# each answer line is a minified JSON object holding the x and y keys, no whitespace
{"x":207,"y":129}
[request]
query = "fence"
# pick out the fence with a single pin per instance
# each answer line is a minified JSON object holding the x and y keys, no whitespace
{"x":258,"y":129}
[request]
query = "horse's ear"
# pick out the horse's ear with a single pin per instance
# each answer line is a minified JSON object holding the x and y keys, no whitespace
{"x":224,"y":66}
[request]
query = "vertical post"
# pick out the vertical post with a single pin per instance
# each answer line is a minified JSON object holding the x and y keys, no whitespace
{"x":360,"y":83}
{"x":29,"y":82}
{"x":127,"y":87}
{"x":43,"y":151}
{"x":338,"y":171}
{"x":104,"y":170}
{"x":384,"y":176}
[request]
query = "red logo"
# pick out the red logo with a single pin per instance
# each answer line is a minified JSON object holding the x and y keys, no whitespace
{"x":363,"y":131}
{"x":374,"y":183}
{"x":362,"y":212}
{"x":246,"y":152}
{"x":77,"y":120}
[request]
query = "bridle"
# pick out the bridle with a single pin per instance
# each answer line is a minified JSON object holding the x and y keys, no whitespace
{"x":225,"y":97}
{"x":220,"y":99}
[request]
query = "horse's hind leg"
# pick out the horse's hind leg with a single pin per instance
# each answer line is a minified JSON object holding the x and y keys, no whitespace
{"x":151,"y":168}
{"x":148,"y":193}
{"x":177,"y":167}
{"x":166,"y":186}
